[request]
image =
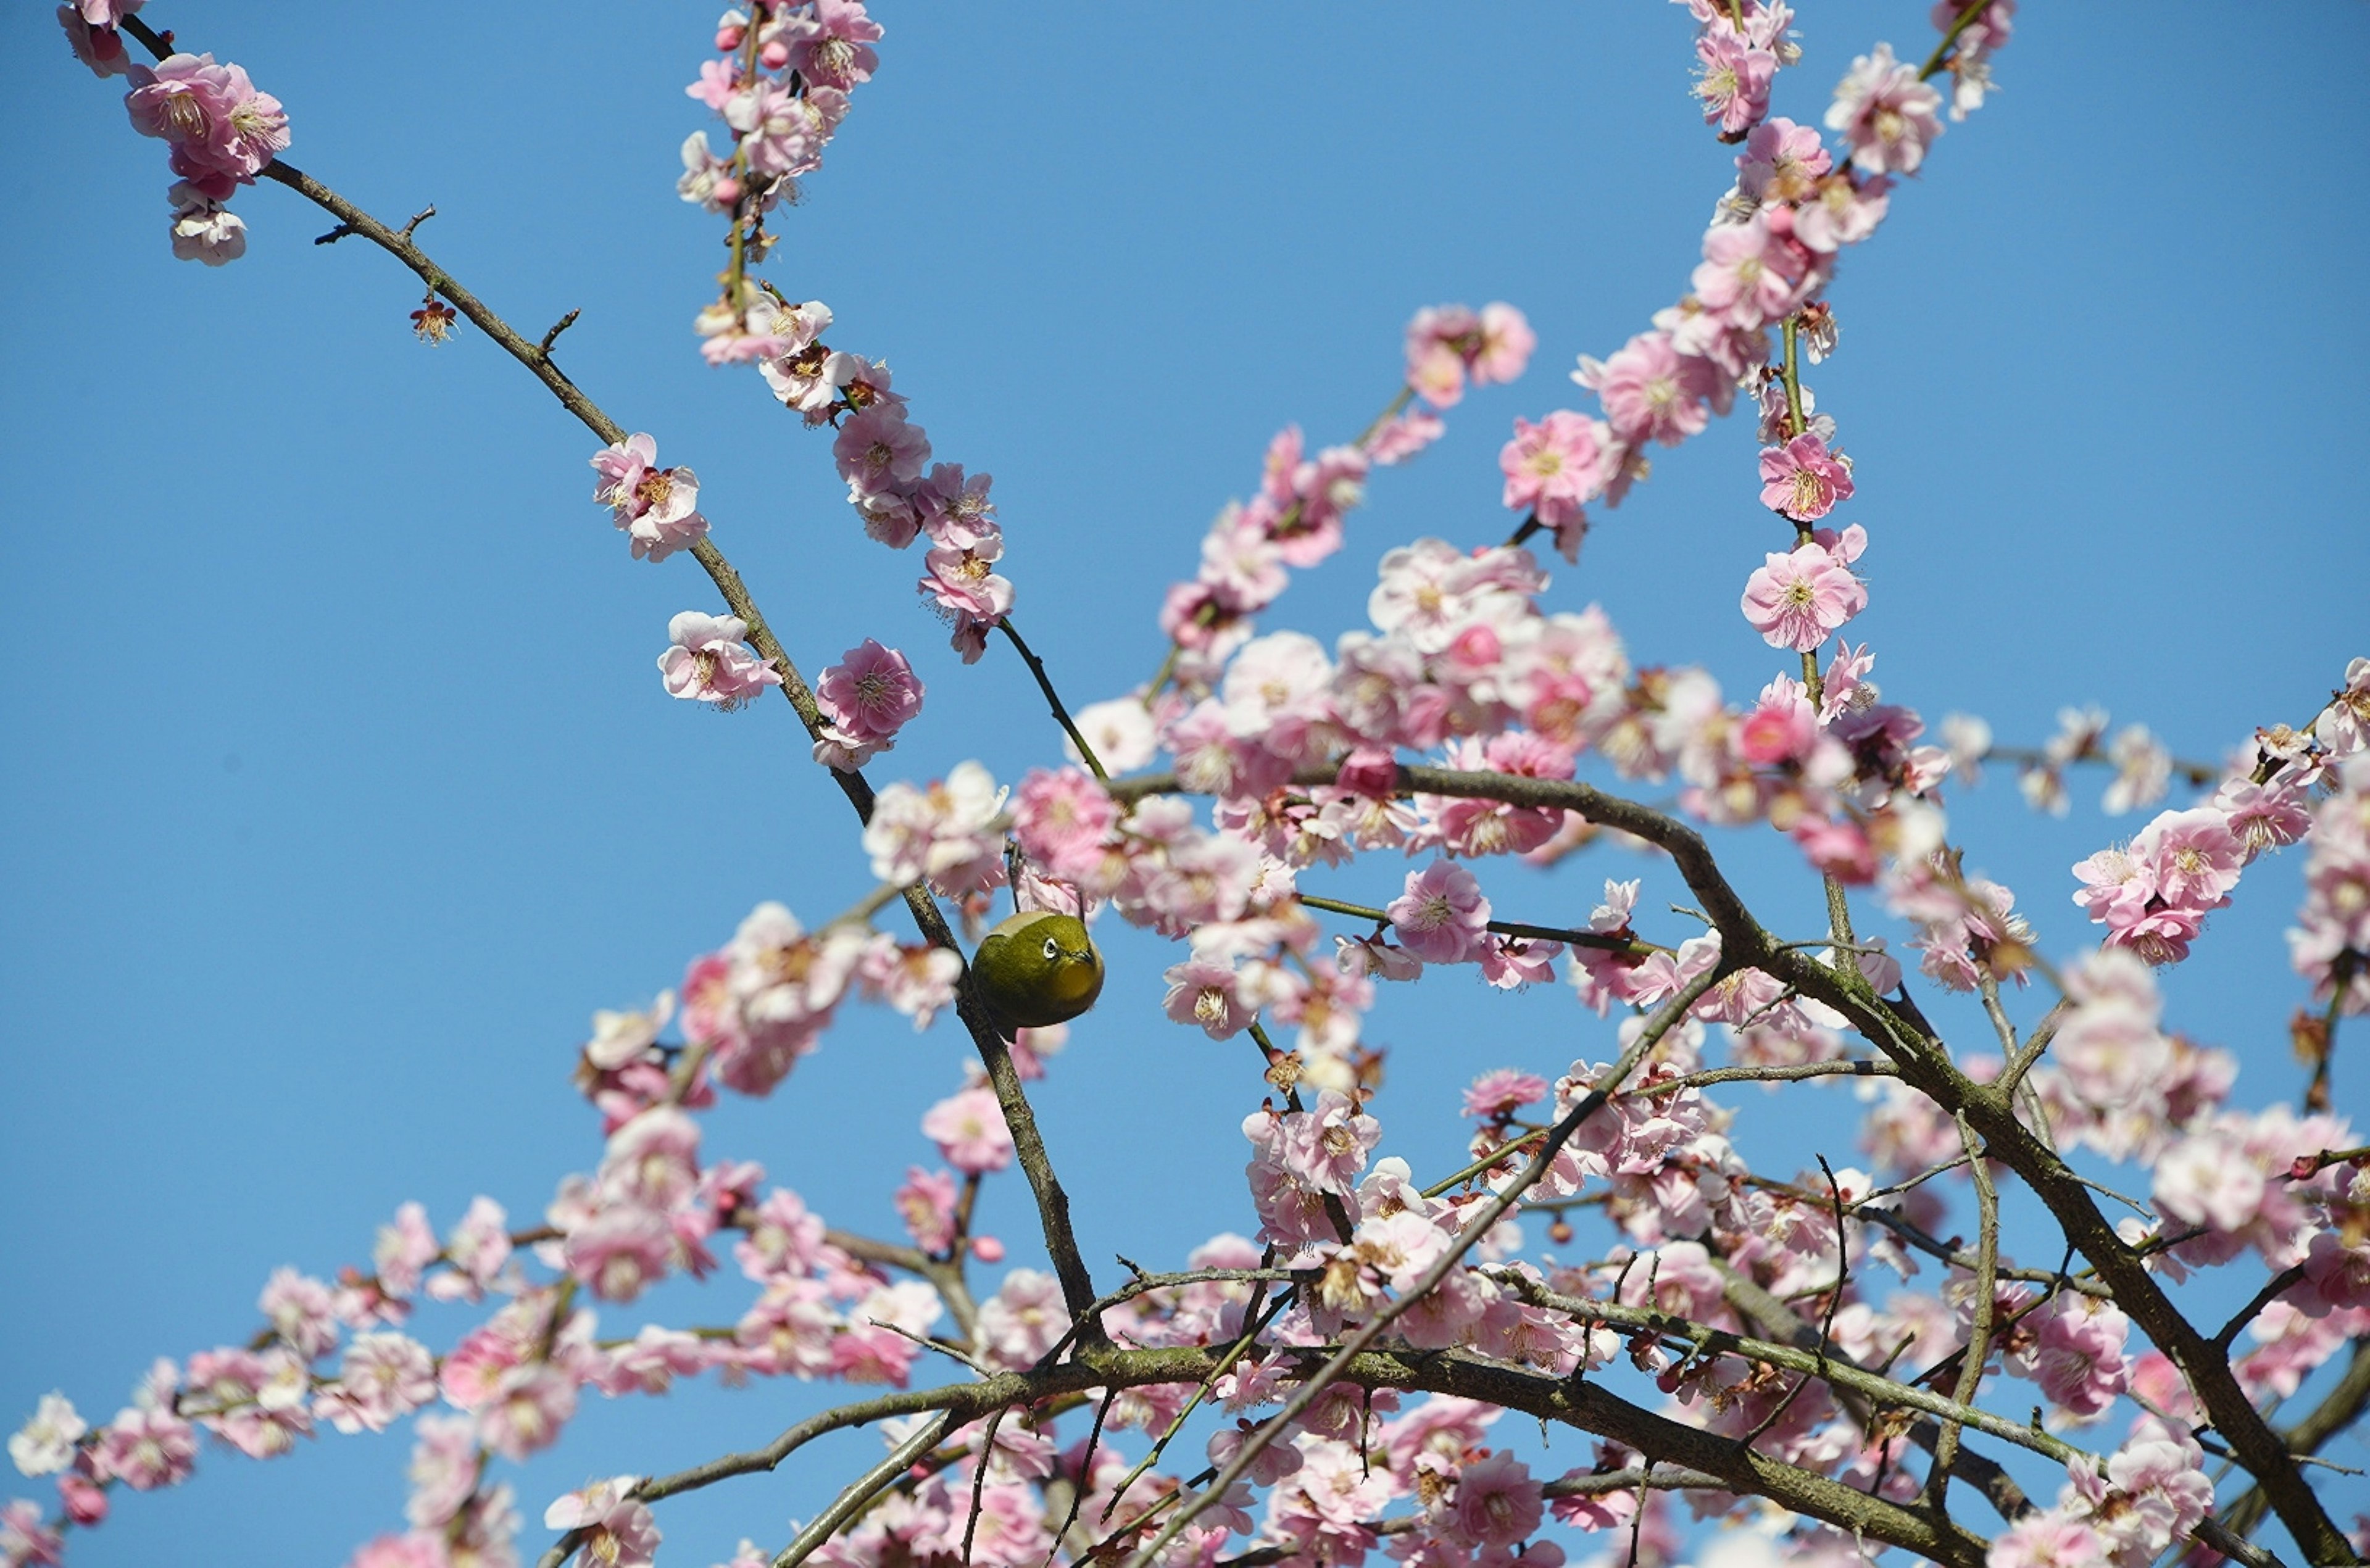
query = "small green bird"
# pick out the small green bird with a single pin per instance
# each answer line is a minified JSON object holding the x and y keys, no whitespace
{"x":1037,"y":968}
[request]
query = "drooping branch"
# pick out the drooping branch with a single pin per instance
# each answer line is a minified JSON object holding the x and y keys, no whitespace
{"x":1028,"y":1144}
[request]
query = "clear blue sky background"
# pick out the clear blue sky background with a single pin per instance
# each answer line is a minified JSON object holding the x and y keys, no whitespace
{"x":338,"y":785}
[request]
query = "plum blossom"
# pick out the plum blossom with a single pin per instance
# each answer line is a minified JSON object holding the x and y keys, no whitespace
{"x":617,"y":1531}
{"x":969,"y":1129}
{"x":1442,"y":915}
{"x":221,"y":130}
{"x":1885,"y":113}
{"x":945,"y":833}
{"x":710,"y":662}
{"x":1798,"y":599}
{"x":657,"y":509}
{"x":867,"y":697}
{"x":1801,"y":480}
{"x":45,"y":1444}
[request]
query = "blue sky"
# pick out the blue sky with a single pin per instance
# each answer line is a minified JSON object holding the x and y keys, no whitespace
{"x":339,"y":787}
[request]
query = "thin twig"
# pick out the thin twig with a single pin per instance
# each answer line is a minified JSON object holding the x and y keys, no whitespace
{"x":1979,"y":1333}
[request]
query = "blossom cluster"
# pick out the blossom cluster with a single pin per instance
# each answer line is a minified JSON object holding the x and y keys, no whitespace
{"x":780,"y":82}
{"x":2153,"y":894}
{"x":221,"y":130}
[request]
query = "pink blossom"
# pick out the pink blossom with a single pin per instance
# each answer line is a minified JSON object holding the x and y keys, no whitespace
{"x":1801,"y":480}
{"x":1798,"y":599}
{"x":621,"y":1251}
{"x":403,"y":1249}
{"x":1781,"y":162}
{"x":101,"y":47}
{"x":1502,"y":1092}
{"x":1553,"y":467}
{"x":2206,"y":1179}
{"x":1023,"y":1320}
{"x":146,"y":1449}
{"x":2079,"y":1360}
{"x":26,"y":1541}
{"x":302,"y":1311}
{"x":926,"y":1204}
{"x":656,"y":508}
{"x":2047,"y":1541}
{"x":877,"y":450}
{"x":1504,"y":350}
{"x":709,"y":663}
{"x":833,"y":46}
{"x":616,"y":1530}
{"x":83,"y":1500}
{"x":969,"y":1129}
{"x":1842,"y":211}
{"x":384,"y":1378}
{"x":1442,"y":915}
{"x":2192,"y":857}
{"x":1885,"y":113}
{"x":526,"y":1407}
{"x":1402,"y":438}
{"x":1497,"y":1504}
{"x":871,"y":694}
{"x":1733,"y":83}
{"x":1062,"y":819}
{"x":1651,"y":391}
{"x":945,"y":832}
{"x":1207,"y":993}
{"x":954,"y":510}
{"x":1748,"y":275}
{"x":219,"y":125}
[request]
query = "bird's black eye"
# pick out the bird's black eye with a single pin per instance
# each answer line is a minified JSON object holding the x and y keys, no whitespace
{"x":1053,"y":951}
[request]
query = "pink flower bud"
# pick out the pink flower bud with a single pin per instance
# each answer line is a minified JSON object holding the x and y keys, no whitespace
{"x":727,"y":191}
{"x":987,"y":1249}
{"x":774,"y":55}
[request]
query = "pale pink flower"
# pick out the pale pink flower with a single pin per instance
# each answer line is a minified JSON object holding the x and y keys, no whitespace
{"x":1552,"y":467}
{"x":1442,"y":915}
{"x":709,"y":663}
{"x":621,"y":1251}
{"x":1651,"y":391}
{"x":403,"y":1249}
{"x":99,"y":47}
{"x":833,"y":45}
{"x":2079,"y":1360}
{"x":202,"y":230}
{"x":1748,"y":275}
{"x":2193,"y":856}
{"x":384,"y":1378}
{"x":1781,"y":162}
{"x":1798,"y":599}
{"x":2343,"y":726}
{"x":2047,"y":1541}
{"x":1505,"y":345}
{"x":302,"y":1311}
{"x":2206,"y":1179}
{"x":1733,"y":81}
{"x":1023,"y":1320}
{"x":1062,"y":819}
{"x":944,"y":832}
{"x":1885,"y":113}
{"x":526,"y":1407}
{"x":969,"y":1129}
{"x":926,"y":1204}
{"x":1502,"y":1092}
{"x":1840,"y":212}
{"x":877,"y":450}
{"x":1802,"y":480}
{"x":1209,"y":992}
{"x":146,"y":1449}
{"x":1497,"y":1504}
{"x":618,"y":1532}
{"x":26,"y":1541}
{"x":1403,"y":437}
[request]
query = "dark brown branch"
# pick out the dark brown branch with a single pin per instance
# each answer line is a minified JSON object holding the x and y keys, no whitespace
{"x":1901,"y":1032}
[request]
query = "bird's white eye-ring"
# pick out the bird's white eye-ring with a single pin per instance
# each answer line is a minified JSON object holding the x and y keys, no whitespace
{"x":1053,"y":950}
